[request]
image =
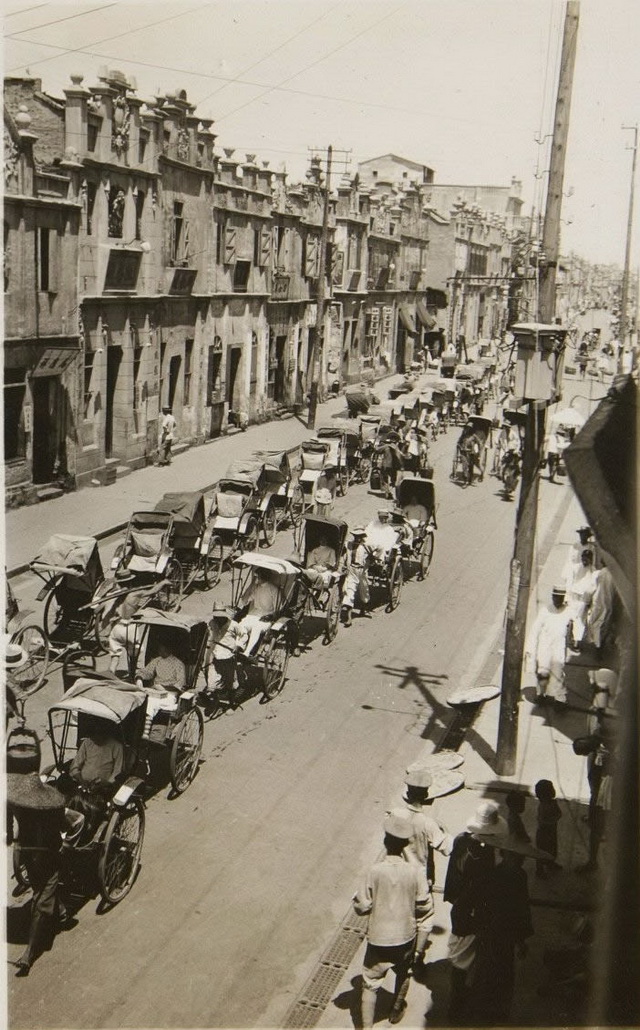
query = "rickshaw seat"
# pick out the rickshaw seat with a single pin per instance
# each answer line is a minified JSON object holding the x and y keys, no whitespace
{"x":230,"y":505}
{"x":422,"y":517}
{"x":146,"y":543}
{"x":313,"y":460}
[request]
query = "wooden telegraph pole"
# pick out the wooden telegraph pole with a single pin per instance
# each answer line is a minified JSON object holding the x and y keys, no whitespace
{"x":624,"y":300}
{"x":526,"y":518}
{"x":318,"y":342}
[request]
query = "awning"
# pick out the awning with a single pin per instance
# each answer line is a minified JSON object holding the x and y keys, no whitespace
{"x":407,"y":319}
{"x":428,"y":321}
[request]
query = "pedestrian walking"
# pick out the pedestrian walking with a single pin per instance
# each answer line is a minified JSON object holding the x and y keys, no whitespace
{"x":516,"y":803}
{"x":470,"y":863}
{"x":503,"y":918}
{"x":601,"y":609}
{"x":167,"y":435}
{"x":394,"y":895}
{"x":580,"y":591}
{"x":428,"y":835}
{"x":36,"y":821}
{"x":548,"y":649}
{"x":356,"y":584}
{"x":547,"y":830}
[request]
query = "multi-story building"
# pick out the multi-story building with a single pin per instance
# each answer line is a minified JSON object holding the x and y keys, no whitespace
{"x":42,"y":356}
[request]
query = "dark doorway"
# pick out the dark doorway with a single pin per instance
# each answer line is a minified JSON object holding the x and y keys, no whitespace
{"x":233,"y":363}
{"x":114,"y":358}
{"x":280,"y":378}
{"x":174,"y":377}
{"x":401,"y":346}
{"x":299,"y":372}
{"x":346,"y":349}
{"x":45,"y":437}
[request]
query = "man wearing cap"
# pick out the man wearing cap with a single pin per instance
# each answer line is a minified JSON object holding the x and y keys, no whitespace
{"x":428,"y":834}
{"x":38,"y":811}
{"x":356,"y":583}
{"x":548,"y":649}
{"x":393,"y":895}
{"x":226,"y":638}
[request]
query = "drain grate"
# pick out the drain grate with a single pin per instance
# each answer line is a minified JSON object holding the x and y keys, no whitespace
{"x":344,"y":947}
{"x":302,"y":1015}
{"x":323,"y":983}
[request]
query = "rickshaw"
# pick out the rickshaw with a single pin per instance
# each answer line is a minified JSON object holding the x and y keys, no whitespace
{"x":30,"y":675}
{"x":316,"y":471}
{"x":268,"y":657}
{"x":471,"y":450}
{"x":198,"y":549}
{"x":320,"y":593}
{"x":234,"y":513}
{"x":105,"y":822}
{"x":336,"y":458}
{"x":416,"y":549}
{"x":266,"y":477}
{"x":287,"y":500}
{"x":379,"y":479}
{"x":385,"y":572}
{"x":358,"y":453}
{"x":71,"y":570}
{"x":147,"y":553}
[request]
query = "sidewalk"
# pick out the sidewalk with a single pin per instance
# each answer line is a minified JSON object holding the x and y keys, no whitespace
{"x":544,"y":751}
{"x":100,"y":511}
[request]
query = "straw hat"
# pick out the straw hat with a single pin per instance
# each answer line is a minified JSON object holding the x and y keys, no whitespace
{"x":487,"y":821}
{"x":26,"y":790}
{"x":398,"y":824}
{"x":14,"y":657}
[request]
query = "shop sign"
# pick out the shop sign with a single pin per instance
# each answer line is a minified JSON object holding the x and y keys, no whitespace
{"x":375,"y":321}
{"x":54,"y":361}
{"x":280,"y":289}
{"x":386,"y":320}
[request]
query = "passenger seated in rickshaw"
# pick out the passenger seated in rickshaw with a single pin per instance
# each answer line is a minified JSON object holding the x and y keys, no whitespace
{"x":260,"y":599}
{"x":321,"y":561}
{"x":100,"y":758}
{"x":414,"y":511}
{"x":381,"y":535}
{"x":226,"y":638}
{"x":163,"y":678}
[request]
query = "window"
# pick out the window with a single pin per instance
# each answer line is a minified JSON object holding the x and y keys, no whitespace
{"x":254,"y":362}
{"x":218,"y":243}
{"x":142,"y":145}
{"x":188,"y":358}
{"x":166,"y":140}
{"x":122,"y":270}
{"x":353,"y":252}
{"x":140,"y":199}
{"x":213,"y":368}
{"x":303,"y":259}
{"x":7,"y":256}
{"x":137,"y":362}
{"x":257,"y":244}
{"x":47,"y":259}
{"x":176,"y":234}
{"x":241,"y":272}
{"x":117,"y":201}
{"x":92,"y":190}
{"x":89,"y":358}
{"x":281,"y":246}
{"x":92,"y":136}
{"x":14,"y":395}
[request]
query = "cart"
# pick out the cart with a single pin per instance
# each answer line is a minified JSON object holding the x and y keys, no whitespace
{"x":319,"y":594}
{"x":287,"y":499}
{"x":416,"y":514}
{"x":195,"y":545}
{"x":147,"y":552}
{"x":71,"y":571}
{"x":336,"y":437}
{"x":27,"y":634}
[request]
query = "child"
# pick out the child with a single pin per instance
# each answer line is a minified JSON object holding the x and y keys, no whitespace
{"x":515,"y":802}
{"x":547,"y":832}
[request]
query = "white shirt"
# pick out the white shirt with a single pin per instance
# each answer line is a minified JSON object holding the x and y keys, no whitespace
{"x":168,"y":426}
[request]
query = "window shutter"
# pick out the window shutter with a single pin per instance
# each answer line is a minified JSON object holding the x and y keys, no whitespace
{"x":55,"y":251}
{"x":184,"y":249}
{"x":311,"y":266}
{"x":265,"y":247}
{"x":230,"y":234}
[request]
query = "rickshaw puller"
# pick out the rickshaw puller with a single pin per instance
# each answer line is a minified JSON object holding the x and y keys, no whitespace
{"x":226,"y":638}
{"x":356,"y":582}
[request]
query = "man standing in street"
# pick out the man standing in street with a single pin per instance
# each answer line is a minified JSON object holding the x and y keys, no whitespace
{"x":167,"y":433}
{"x":393,"y":895}
{"x":548,"y":649}
{"x":428,"y":834}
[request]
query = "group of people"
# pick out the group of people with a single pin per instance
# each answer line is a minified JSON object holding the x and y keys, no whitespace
{"x":485,"y":884}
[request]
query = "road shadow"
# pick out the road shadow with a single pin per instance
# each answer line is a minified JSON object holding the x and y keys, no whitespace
{"x":410,"y":676}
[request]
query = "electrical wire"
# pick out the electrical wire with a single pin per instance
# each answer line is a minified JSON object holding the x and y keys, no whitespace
{"x":312,"y":64}
{"x":25,"y":10}
{"x":56,"y":21}
{"x":266,"y":57}
{"x":98,"y":42}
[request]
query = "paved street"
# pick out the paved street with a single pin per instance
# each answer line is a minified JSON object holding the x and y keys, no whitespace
{"x":246,"y":877}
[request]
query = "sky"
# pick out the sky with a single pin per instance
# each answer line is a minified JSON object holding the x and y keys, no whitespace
{"x":466,"y":87}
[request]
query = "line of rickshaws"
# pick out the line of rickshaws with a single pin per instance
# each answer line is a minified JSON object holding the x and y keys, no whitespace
{"x":187,"y":540}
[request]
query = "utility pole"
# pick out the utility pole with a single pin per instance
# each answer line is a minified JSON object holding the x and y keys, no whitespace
{"x":526,"y":518}
{"x":624,"y":300}
{"x":318,"y":342}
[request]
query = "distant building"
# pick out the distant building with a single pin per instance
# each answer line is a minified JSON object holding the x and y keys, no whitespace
{"x":393,"y":169}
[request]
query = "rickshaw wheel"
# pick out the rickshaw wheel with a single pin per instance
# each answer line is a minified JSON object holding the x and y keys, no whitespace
{"x":249,"y":541}
{"x":120,"y":851}
{"x":343,"y":480}
{"x":174,"y":585}
{"x":269,"y":525}
{"x":20,"y":874}
{"x":333,"y":615}
{"x":275,"y":666}
{"x":426,"y":555}
{"x":186,"y":750}
{"x":52,"y":615}
{"x":396,"y":580}
{"x":296,"y":505}
{"x":213,"y":560}
{"x":31,"y":676}
{"x":364,"y":469}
